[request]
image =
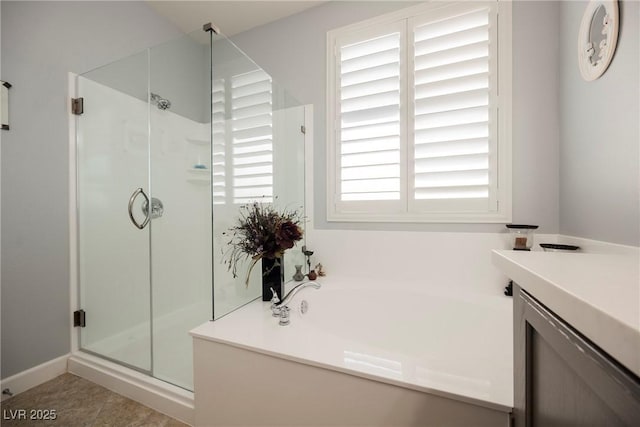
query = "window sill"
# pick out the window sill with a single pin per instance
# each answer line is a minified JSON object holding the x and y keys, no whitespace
{"x":440,"y":218}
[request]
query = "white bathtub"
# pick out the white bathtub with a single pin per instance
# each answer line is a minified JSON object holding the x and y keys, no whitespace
{"x":365,"y":353}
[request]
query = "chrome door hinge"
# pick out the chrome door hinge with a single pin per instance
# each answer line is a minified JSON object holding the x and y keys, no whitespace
{"x":77,"y":106}
{"x":79,"y":318}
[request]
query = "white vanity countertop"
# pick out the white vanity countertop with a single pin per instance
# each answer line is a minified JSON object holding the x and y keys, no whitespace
{"x":598,"y":294}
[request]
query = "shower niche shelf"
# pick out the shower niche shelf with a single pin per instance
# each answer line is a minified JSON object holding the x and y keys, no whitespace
{"x":200,"y":176}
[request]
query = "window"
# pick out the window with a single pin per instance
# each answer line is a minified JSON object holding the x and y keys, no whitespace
{"x":418,"y":119}
{"x":219,"y":142}
{"x":243,"y":143}
{"x":252,"y":132}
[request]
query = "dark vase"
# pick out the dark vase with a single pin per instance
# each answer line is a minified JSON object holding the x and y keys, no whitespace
{"x":272,"y":277}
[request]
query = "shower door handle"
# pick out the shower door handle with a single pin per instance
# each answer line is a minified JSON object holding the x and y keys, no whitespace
{"x":131,"y":200}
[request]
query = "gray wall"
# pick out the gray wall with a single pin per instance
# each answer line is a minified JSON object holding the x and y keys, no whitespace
{"x":293,"y":51}
{"x":599,"y":154}
{"x":1,"y":137}
{"x":41,"y":42}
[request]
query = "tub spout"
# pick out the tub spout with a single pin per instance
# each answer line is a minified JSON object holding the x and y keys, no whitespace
{"x":287,"y":299}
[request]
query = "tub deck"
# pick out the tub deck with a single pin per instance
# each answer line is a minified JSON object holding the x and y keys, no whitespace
{"x":457,"y":347}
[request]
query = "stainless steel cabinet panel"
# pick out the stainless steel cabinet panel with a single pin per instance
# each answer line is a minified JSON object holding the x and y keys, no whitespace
{"x":562,"y":379}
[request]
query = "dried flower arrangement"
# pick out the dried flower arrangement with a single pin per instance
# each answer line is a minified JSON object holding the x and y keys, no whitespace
{"x":261,"y":232}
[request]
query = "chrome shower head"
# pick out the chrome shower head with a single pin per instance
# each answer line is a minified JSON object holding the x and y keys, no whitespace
{"x":162,"y":103}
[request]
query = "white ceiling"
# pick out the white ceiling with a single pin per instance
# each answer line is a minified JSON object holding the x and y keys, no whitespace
{"x":232,"y":17}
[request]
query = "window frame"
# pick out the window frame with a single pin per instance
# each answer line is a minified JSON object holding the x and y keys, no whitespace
{"x":408,"y":209}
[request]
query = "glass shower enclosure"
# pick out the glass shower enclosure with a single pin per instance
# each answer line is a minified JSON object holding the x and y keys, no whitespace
{"x":171,"y":143}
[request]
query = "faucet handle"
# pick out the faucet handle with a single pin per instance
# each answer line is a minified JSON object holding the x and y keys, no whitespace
{"x":275,"y":310}
{"x":274,"y":298}
{"x":284,"y":316}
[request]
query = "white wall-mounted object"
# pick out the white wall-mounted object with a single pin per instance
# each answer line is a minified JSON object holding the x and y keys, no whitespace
{"x":597,"y":38}
{"x":4,"y":104}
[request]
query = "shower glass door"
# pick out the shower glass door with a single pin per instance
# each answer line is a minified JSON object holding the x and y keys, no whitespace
{"x":145,"y":206}
{"x":171,"y":144}
{"x":113,"y":177}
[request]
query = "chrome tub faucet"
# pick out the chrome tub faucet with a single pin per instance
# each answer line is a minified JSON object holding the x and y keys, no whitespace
{"x":281,"y":309}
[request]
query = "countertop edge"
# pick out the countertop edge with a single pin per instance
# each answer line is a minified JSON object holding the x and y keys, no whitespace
{"x":618,"y":339}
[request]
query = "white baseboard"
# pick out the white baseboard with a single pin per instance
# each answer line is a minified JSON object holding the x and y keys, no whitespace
{"x":35,"y":376}
{"x":159,"y":395}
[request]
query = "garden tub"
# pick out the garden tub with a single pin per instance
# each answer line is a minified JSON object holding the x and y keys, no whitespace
{"x":365,"y":352}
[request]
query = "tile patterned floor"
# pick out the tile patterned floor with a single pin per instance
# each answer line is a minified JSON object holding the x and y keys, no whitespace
{"x":78,"y":402}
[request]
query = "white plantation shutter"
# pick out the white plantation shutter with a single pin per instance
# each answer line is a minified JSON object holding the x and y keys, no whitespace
{"x":252,"y":147}
{"x":219,"y":142}
{"x":370,"y":121}
{"x":452,"y":87}
{"x":415,"y":108}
